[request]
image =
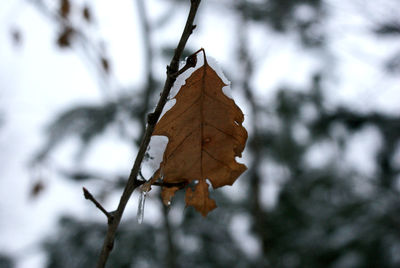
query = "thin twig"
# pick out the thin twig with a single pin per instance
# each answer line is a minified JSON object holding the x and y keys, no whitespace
{"x":90,"y":197}
{"x":164,"y":184}
{"x":170,"y":184}
{"x":133,"y":182}
{"x":248,"y":72}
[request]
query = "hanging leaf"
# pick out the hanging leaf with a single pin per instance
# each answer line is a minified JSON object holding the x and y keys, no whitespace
{"x":36,"y":189}
{"x":105,"y":64}
{"x":65,"y":8}
{"x":65,"y":37}
{"x":87,"y":14}
{"x":205,"y":135}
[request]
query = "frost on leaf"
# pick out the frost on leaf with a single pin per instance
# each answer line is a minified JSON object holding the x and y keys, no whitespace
{"x":205,"y":134}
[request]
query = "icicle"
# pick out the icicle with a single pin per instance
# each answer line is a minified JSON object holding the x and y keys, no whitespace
{"x":144,"y":189}
{"x":140,"y":211}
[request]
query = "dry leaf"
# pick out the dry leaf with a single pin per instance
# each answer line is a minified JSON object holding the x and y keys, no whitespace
{"x":87,"y":14}
{"x":105,"y":65}
{"x":205,"y":135}
{"x":167,"y":194}
{"x":64,"y":38}
{"x":37,"y":188}
{"x":65,"y":8}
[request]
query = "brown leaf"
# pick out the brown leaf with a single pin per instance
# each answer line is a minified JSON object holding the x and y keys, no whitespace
{"x":199,"y":198}
{"x":65,"y":37}
{"x":87,"y":14}
{"x":65,"y":8}
{"x":167,"y":194}
{"x":37,"y":188}
{"x":105,"y":65}
{"x":205,"y":135}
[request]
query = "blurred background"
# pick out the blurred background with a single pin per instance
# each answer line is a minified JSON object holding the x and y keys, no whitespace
{"x":317,"y":80}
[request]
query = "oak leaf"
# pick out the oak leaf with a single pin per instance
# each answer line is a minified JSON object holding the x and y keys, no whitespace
{"x":205,"y":134}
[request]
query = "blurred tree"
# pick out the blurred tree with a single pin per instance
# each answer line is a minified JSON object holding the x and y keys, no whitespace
{"x":6,"y":261}
{"x":326,"y":215}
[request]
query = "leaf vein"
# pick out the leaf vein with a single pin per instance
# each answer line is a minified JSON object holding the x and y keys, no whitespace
{"x":218,"y":100}
{"x":222,"y":131}
{"x":184,"y":111}
{"x":219,"y":161}
{"x":179,"y":145}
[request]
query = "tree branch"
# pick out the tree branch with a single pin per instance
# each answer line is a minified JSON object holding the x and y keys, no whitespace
{"x":133,"y":182}
{"x":90,"y":197}
{"x":150,"y":84}
{"x":255,"y":144}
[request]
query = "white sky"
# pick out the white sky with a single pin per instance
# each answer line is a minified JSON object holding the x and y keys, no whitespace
{"x":37,"y":81}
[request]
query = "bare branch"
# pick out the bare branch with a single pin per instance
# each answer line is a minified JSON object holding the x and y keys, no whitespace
{"x":133,"y":182}
{"x":90,"y":197}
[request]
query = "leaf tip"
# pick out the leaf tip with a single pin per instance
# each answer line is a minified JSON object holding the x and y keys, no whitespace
{"x":199,"y":198}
